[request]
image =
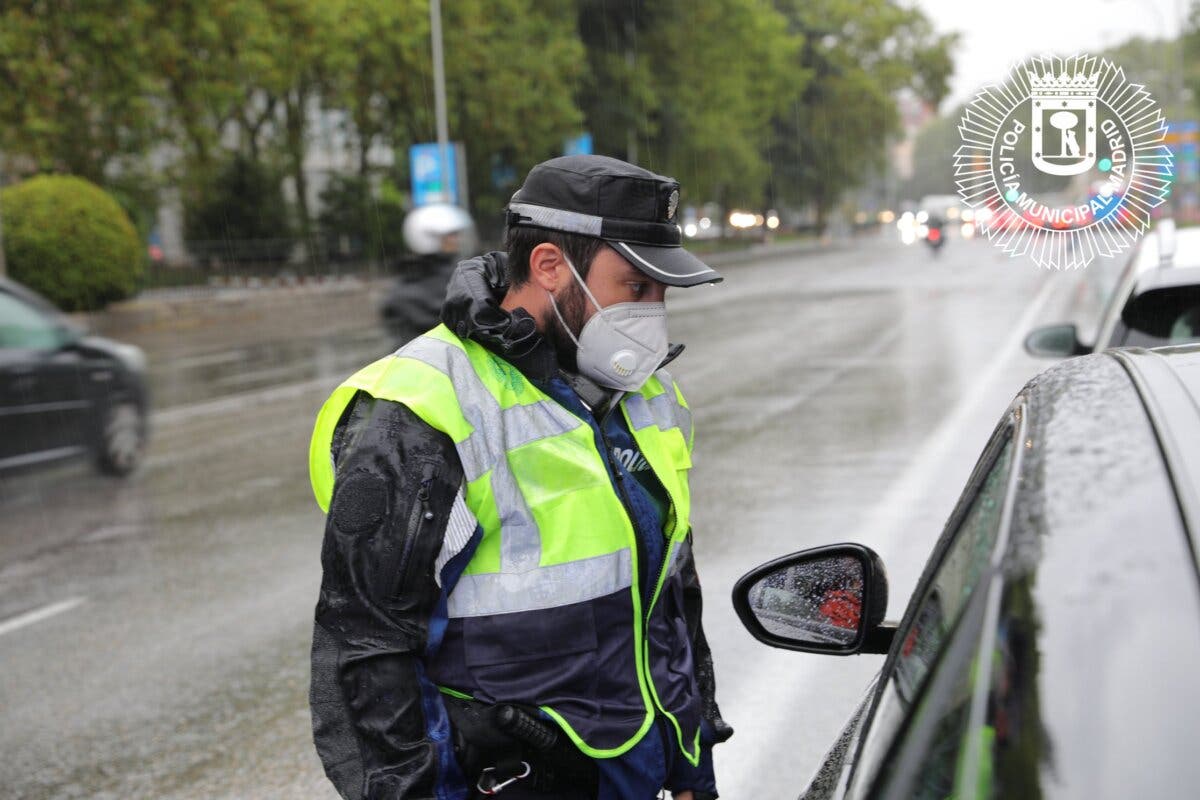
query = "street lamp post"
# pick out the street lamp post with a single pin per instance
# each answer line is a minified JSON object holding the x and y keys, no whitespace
{"x":439,"y":97}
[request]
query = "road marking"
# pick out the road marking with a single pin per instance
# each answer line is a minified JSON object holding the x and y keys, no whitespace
{"x":319,"y":387}
{"x":208,"y":359}
{"x":39,"y":614}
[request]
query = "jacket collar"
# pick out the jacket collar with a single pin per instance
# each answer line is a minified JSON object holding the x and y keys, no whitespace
{"x":472,"y":310}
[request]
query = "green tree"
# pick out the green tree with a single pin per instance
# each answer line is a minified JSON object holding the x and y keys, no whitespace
{"x":725,"y":68}
{"x":355,"y":221}
{"x":689,"y":89}
{"x":1156,"y":64}
{"x":69,"y":240}
{"x":933,"y":157}
{"x":619,"y":91}
{"x":297,"y":38}
{"x":75,"y":94}
{"x":253,"y":70}
{"x":239,"y":215}
{"x":512,"y":69}
{"x":1190,"y":57}
{"x":380,"y":71}
{"x":860,"y":54}
{"x":212,"y":56}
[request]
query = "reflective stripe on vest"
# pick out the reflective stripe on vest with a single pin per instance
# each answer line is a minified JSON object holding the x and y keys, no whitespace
{"x":666,"y":410}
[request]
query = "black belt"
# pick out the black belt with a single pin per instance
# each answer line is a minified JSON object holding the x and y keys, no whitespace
{"x":507,"y":750}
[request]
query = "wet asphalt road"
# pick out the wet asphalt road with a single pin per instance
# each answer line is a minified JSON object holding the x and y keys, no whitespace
{"x":838,"y":396}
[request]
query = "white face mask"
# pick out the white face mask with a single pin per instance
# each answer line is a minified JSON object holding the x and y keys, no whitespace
{"x":622,"y":345}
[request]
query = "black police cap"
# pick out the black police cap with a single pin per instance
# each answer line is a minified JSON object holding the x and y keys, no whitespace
{"x":631,"y":208}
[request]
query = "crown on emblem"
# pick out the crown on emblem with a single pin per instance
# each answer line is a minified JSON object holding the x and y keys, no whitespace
{"x":1064,"y":85}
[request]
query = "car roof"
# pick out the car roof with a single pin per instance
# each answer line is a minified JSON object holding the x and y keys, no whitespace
{"x":1167,"y":277}
{"x":1120,"y":421}
{"x":1101,"y":400}
{"x":1169,"y":247}
{"x":1168,"y":381}
{"x":1100,"y":574}
{"x":29,"y":296}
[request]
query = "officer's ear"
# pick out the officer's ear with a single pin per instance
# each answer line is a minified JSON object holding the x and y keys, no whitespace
{"x":548,"y":268}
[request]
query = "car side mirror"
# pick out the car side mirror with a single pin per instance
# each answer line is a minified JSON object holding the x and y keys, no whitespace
{"x":828,"y":600}
{"x":1055,"y":341}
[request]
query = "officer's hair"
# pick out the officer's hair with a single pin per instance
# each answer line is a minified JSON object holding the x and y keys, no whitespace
{"x":520,"y":241}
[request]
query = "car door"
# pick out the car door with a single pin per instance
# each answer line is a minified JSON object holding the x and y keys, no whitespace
{"x":944,"y":618}
{"x":43,"y":398}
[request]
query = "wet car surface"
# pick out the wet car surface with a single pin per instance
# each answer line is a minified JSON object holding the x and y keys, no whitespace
{"x":1050,"y":646}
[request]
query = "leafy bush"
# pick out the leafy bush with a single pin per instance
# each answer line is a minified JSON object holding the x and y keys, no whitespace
{"x":355,"y":223}
{"x":69,"y":240}
{"x":239,"y":216}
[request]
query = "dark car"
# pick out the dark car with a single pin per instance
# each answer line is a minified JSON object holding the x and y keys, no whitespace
{"x":64,"y":393}
{"x":1154,"y":301}
{"x":1052,"y":645}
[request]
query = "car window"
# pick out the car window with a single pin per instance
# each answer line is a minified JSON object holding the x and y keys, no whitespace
{"x":1172,"y":326}
{"x":941,"y":747}
{"x":925,"y":633}
{"x":955,"y":580}
{"x":936,"y":669}
{"x":22,"y":327}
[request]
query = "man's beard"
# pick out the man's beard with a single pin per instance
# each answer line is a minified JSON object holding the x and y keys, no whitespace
{"x":572,"y":305}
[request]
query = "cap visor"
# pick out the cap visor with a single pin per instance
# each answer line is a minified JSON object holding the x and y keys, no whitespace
{"x":673,"y":266}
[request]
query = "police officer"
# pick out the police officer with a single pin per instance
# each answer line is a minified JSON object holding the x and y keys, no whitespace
{"x":509,"y":602}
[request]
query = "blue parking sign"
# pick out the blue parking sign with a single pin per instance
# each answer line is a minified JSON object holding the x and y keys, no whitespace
{"x":580,"y":145}
{"x":425,"y":166}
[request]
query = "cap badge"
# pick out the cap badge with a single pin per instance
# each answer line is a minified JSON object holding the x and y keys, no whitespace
{"x":672,"y":204}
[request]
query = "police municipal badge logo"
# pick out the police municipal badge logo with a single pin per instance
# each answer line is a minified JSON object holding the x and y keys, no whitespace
{"x":672,"y":204}
{"x":1064,"y":161}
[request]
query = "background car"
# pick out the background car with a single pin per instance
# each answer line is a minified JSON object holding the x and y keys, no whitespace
{"x":1154,"y":301}
{"x":64,"y":393}
{"x":1051,"y":645}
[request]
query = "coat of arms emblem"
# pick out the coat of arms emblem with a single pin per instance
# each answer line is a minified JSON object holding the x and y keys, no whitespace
{"x":1063,"y":122}
{"x":1082,"y":121}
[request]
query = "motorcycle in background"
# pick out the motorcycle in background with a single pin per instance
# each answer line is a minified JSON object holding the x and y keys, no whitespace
{"x":935,"y":234}
{"x":438,"y":235}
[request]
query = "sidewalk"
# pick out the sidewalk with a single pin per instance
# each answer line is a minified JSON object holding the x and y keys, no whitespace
{"x":169,"y":323}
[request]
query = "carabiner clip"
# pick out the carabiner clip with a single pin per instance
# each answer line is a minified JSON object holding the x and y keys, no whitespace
{"x":499,"y":787}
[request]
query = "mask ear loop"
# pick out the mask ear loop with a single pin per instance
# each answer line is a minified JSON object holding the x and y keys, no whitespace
{"x":566,"y":327}
{"x":582,"y":285}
